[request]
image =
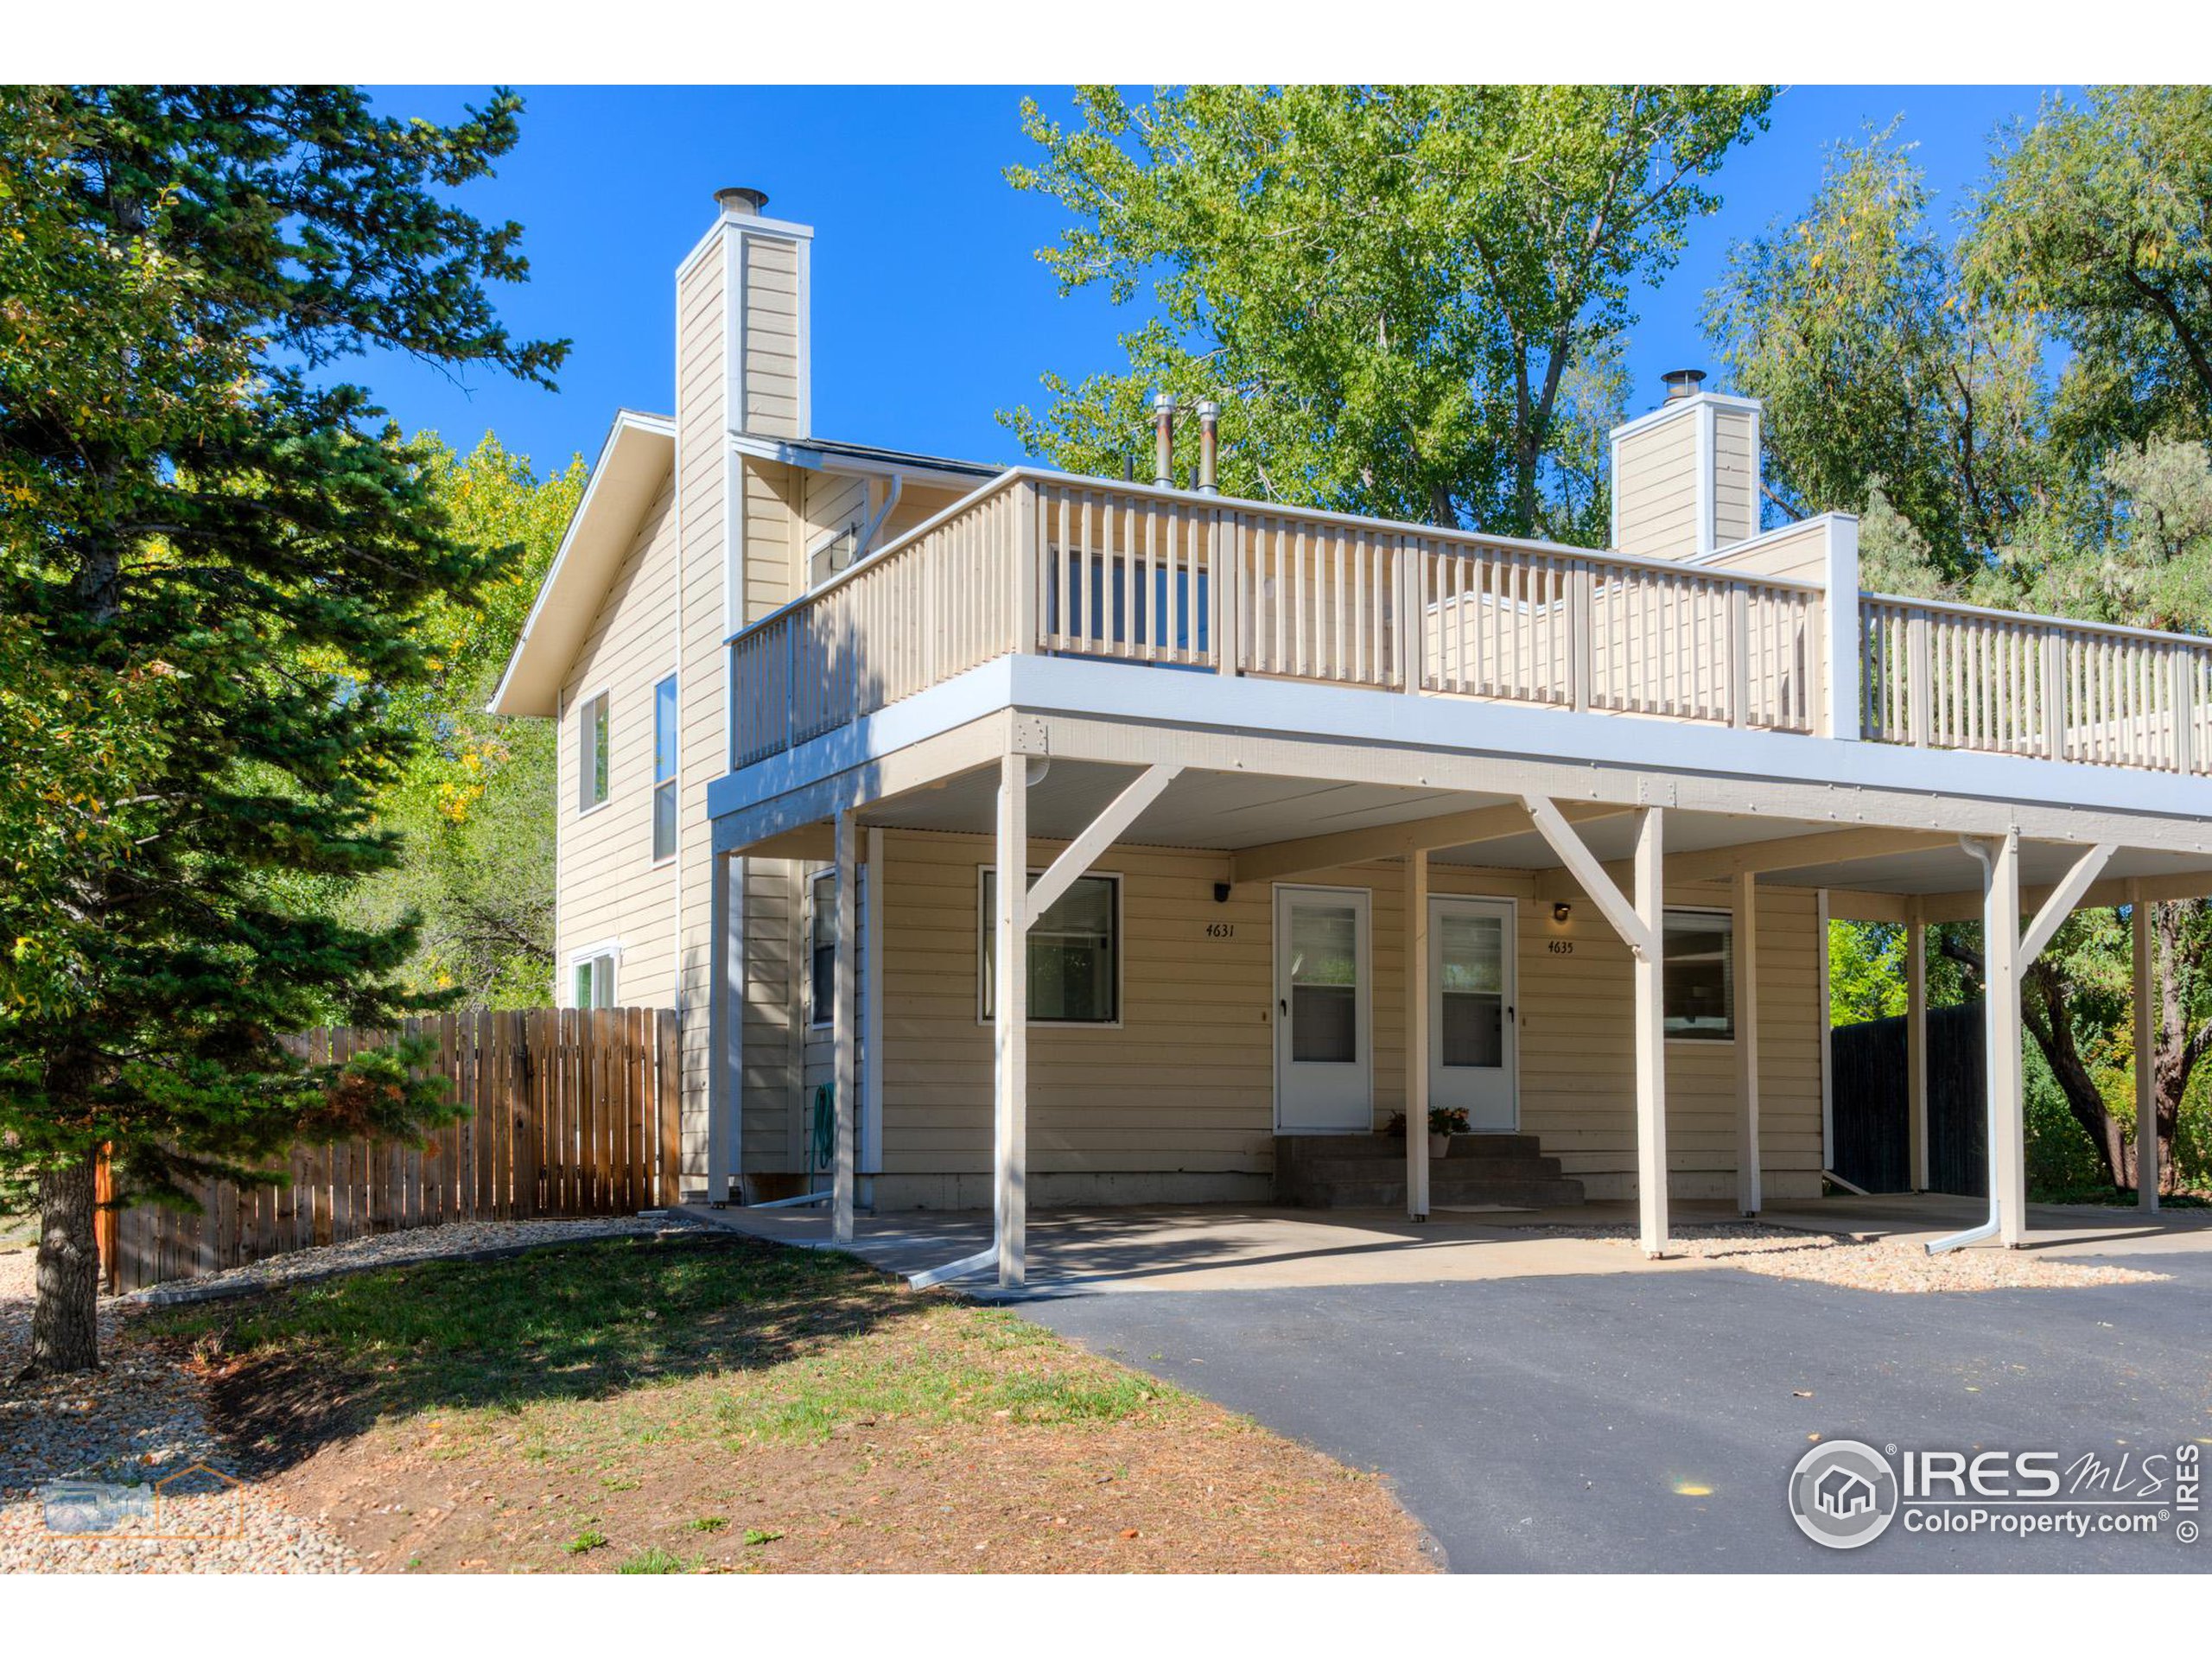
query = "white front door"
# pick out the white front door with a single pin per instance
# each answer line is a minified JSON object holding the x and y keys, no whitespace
{"x":1323,"y":1036}
{"x":1470,"y":1018}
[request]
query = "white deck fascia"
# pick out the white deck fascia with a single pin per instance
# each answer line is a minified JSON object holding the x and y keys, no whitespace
{"x":1226,"y":722}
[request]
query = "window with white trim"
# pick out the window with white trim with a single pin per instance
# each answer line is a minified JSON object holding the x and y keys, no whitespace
{"x":1075,"y":948}
{"x":821,"y":950}
{"x":665,"y":769}
{"x":592,"y":759}
{"x":1699,"y":975}
{"x":593,"y":979}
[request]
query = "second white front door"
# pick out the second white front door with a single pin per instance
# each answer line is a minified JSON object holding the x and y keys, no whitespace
{"x":1324,"y":1025}
{"x":1471,"y":1058}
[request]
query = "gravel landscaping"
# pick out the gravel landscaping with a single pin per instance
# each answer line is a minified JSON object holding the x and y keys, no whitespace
{"x":1884,"y":1264}
{"x":141,"y":1420}
{"x":146,"y":1417}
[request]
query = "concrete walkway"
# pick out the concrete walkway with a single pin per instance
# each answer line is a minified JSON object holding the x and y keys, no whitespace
{"x":1227,"y":1248}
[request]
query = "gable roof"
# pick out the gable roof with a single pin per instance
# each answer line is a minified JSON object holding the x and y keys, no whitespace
{"x":633,"y":462}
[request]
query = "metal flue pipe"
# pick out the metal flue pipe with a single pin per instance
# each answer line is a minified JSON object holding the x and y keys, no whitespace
{"x":1209,"y":447}
{"x":1163,"y":441}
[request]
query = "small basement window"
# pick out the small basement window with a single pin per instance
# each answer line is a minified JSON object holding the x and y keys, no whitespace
{"x":1700,"y":976}
{"x":594,"y":981}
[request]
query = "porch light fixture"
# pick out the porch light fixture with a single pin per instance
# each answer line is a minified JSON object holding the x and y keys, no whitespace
{"x":1563,"y":912}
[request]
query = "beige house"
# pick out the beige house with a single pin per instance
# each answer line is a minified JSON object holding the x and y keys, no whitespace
{"x":1328,"y":819}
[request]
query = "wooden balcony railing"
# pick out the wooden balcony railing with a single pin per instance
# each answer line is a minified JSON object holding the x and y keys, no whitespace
{"x":1958,"y":676}
{"x":1041,"y":563}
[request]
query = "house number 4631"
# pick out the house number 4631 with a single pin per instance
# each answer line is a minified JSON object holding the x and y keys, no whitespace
{"x":1221,"y":929}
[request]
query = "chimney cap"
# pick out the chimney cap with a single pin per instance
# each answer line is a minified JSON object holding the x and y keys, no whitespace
{"x":742,"y":198}
{"x":1682,"y":382}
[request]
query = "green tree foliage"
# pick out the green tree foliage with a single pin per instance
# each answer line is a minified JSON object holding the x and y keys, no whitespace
{"x":2098,"y":216}
{"x":1891,"y":387}
{"x":213,"y":565}
{"x":1905,"y":379}
{"x":1407,"y":300}
{"x":1865,"y":972}
{"x":474,"y":806}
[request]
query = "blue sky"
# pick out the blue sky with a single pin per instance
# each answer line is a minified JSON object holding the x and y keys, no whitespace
{"x":930,"y":311}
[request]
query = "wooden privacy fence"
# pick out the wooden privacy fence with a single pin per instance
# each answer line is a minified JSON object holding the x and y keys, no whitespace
{"x":1873,"y":1146}
{"x":574,"y":1113}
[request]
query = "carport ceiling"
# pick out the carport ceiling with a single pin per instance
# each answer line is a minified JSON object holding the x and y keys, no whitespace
{"x":1229,"y":812}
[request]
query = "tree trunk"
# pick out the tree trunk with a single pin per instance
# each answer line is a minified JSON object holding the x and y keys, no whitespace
{"x":64,"y":1320}
{"x":2050,"y":1021}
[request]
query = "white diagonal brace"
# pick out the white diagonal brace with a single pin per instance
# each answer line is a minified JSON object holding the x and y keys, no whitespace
{"x":2063,"y":898}
{"x":1583,"y":865}
{"x":1103,"y":831}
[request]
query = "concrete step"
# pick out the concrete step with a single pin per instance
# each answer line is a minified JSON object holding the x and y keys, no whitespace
{"x":1539,"y":1194}
{"x":1323,"y":1172}
{"x":1511,"y":1168}
{"x":1301,"y":1148}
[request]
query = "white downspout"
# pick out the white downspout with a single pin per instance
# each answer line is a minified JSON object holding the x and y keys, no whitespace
{"x":1989,"y":1228}
{"x":875,"y":525}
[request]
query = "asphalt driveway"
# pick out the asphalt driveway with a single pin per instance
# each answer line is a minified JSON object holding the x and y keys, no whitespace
{"x":1649,"y":1422}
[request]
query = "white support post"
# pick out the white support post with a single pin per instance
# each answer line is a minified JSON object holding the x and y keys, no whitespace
{"x":2007,"y":1111}
{"x":1010,"y":1025}
{"x":845,"y":1074}
{"x":1915,"y":1045}
{"x":2146,"y":1029}
{"x":725,"y":1012}
{"x":1651,"y":1034}
{"x":1745,"y":924}
{"x":1417,"y":996}
{"x":871,"y":995}
{"x":1841,"y":604}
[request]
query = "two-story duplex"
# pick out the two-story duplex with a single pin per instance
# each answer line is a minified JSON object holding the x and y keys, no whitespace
{"x":1326,"y":819}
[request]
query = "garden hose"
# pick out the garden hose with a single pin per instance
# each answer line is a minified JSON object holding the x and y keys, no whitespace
{"x":822,"y":1132}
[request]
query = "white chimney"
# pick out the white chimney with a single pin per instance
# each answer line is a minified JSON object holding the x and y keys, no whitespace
{"x":1685,"y":476}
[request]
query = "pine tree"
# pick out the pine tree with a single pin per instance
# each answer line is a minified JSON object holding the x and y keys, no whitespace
{"x":211,"y":554}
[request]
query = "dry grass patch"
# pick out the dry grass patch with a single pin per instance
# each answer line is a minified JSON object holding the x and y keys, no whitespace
{"x":719,"y":1403}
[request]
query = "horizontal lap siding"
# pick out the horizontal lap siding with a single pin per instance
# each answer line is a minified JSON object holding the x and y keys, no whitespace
{"x":1186,"y":1083}
{"x":1657,"y":491}
{"x":1577,"y":1075}
{"x":771,"y":337}
{"x":609,"y":887}
{"x":702,"y":420}
{"x":1735,"y":477}
{"x":1183,"y":1084}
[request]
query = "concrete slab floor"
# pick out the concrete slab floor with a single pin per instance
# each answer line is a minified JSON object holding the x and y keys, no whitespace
{"x":1199,"y":1247}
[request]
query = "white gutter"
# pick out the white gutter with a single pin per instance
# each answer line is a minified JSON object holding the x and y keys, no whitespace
{"x":1987,"y":1229}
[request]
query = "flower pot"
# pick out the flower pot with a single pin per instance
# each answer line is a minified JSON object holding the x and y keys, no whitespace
{"x":1440,"y":1145}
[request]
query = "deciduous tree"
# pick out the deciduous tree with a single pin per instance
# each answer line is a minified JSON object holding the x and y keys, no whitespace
{"x":1407,"y":299}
